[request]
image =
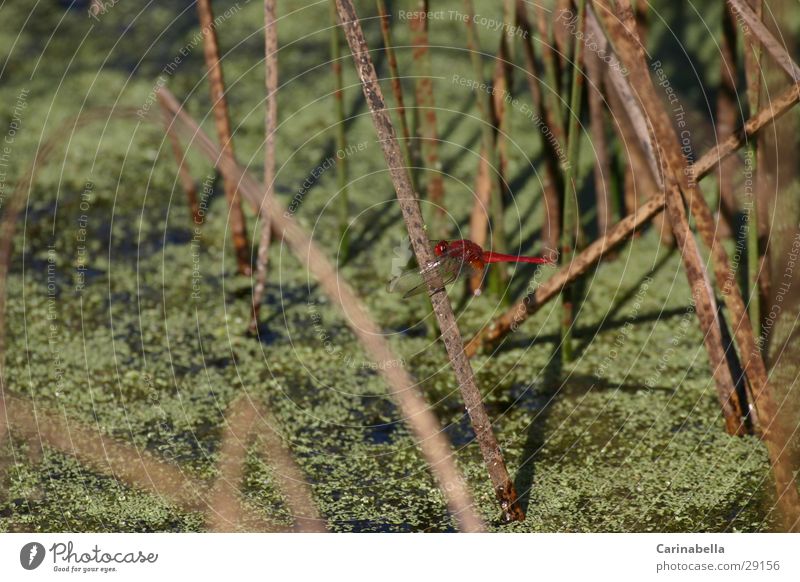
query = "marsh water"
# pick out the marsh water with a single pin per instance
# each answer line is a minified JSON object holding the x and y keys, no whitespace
{"x":126,"y":318}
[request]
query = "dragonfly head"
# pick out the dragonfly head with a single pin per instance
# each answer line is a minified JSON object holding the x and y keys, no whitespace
{"x":441,"y":247}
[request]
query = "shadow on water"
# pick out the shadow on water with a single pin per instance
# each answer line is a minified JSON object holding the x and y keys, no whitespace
{"x":382,"y":217}
{"x":589,"y":332}
{"x":556,"y":390}
{"x":535,"y":437}
{"x":608,"y":321}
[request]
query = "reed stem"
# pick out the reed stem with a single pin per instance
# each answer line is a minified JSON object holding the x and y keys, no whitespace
{"x":570,"y":232}
{"x":342,"y":169}
{"x":497,"y":276}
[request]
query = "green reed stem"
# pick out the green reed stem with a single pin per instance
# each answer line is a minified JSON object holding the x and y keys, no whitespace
{"x":571,"y":216}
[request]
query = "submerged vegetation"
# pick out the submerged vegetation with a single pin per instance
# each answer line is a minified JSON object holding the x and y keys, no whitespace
{"x":127,"y":313}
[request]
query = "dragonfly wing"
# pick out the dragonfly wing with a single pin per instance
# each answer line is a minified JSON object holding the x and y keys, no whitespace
{"x":407,"y":283}
{"x":449,"y":270}
{"x":450,"y":267}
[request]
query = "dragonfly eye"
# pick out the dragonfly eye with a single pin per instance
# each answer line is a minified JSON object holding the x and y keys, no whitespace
{"x":440,"y":248}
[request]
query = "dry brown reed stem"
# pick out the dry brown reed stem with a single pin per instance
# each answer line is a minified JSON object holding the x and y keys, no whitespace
{"x":495,"y":124}
{"x":483,"y":198}
{"x":123,"y":462}
{"x":512,"y":318}
{"x":632,"y":186}
{"x":750,"y":354}
{"x":219,"y":104}
{"x":502,"y":83}
{"x":551,"y":186}
{"x":225,"y":505}
{"x":766,"y":182}
{"x":103,"y":453}
{"x":242,"y":423}
{"x":416,"y":412}
{"x":639,"y":160}
{"x":497,"y":275}
{"x":3,"y":414}
{"x":451,"y":337}
{"x":270,"y":127}
{"x":397,"y":85}
{"x":773,"y":430}
{"x":643,"y":172}
{"x":753,"y":365}
{"x":561,"y":37}
{"x":426,"y":109}
{"x":618,"y":21}
{"x":767,"y":40}
{"x":602,"y":165}
{"x":185,"y":175}
{"x":727,"y":110}
{"x":292,"y":483}
{"x":631,"y":105}
{"x":551,"y":67}
{"x":621,"y":30}
{"x":479,"y":216}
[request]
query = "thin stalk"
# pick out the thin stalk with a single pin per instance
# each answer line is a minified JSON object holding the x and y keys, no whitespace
{"x":602,"y":167}
{"x":479,"y":217}
{"x":632,"y":184}
{"x":633,"y":110}
{"x":571,"y":217}
{"x":426,"y":107}
{"x":642,"y":172}
{"x":270,"y":127}
{"x":752,"y":70}
{"x":509,"y":18}
{"x":645,"y":178}
{"x":497,"y":276}
{"x":397,"y":91}
{"x":185,"y":175}
{"x":551,"y":71}
{"x":222,"y":118}
{"x":451,"y":336}
{"x":502,"y":83}
{"x":726,"y":120}
{"x":342,"y":169}
{"x":551,"y":230}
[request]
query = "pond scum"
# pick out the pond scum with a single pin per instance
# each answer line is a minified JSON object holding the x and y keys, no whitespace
{"x":127,"y":318}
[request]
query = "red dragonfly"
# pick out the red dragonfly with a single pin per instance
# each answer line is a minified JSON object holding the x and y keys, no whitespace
{"x":455,"y":259}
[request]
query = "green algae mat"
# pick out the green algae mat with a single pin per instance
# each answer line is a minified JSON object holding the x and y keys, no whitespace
{"x":126,"y":318}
